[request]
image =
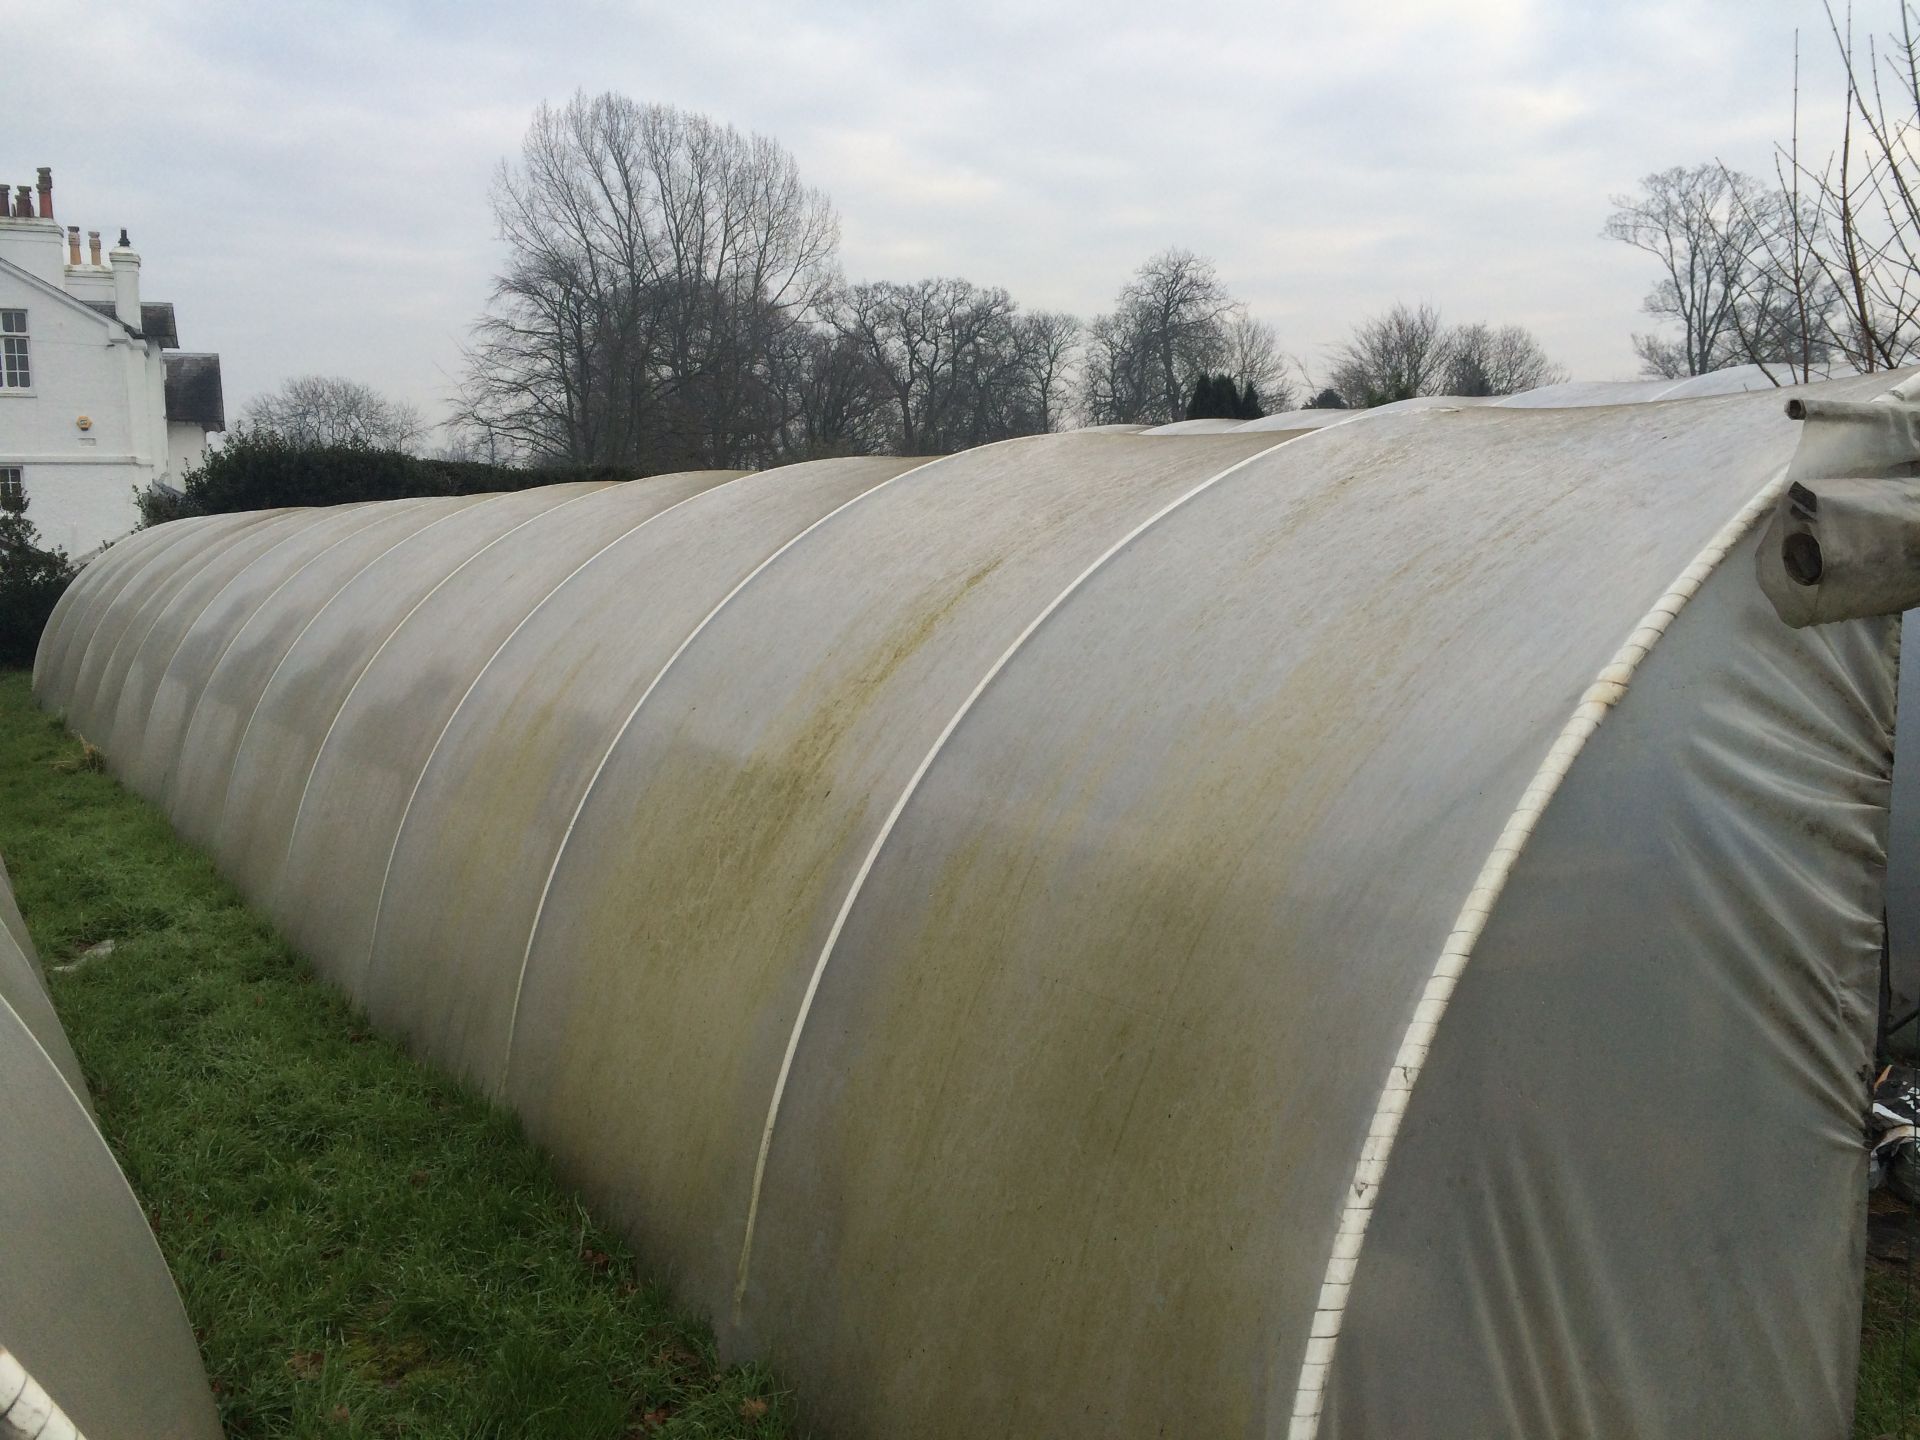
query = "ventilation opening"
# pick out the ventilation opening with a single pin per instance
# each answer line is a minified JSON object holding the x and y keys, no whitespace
{"x":1800,"y":554}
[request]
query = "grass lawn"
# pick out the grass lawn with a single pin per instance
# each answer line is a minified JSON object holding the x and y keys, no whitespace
{"x":365,"y":1248}
{"x":1889,"y":1397}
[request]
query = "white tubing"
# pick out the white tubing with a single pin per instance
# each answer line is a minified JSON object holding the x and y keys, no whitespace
{"x":27,"y":1412}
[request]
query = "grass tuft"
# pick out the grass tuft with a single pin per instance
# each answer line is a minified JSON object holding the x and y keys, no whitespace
{"x":365,"y":1248}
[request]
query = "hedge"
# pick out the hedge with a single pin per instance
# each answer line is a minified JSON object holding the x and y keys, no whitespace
{"x":257,"y":470}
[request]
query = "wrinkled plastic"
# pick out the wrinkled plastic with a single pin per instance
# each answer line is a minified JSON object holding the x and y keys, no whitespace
{"x":966,"y":938}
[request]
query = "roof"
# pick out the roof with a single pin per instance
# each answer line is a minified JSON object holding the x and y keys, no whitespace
{"x":156,"y":323}
{"x":194,"y":396}
{"x":156,"y":320}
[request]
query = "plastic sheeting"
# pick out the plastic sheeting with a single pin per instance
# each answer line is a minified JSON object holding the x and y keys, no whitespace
{"x":1734,"y":380}
{"x":1212,"y":425}
{"x":86,"y":1303}
{"x":1300,"y":420}
{"x":968,"y":920}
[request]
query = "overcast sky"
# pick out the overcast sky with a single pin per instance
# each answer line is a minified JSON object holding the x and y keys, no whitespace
{"x":308,"y":182}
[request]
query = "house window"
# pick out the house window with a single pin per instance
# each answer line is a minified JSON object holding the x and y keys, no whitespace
{"x":13,"y":490}
{"x":15,"y":373}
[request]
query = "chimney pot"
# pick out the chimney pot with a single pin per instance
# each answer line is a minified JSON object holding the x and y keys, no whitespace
{"x":73,"y":245}
{"x":23,"y":203}
{"x":125,"y":243}
{"x":46,"y":192}
{"x":93,"y":247}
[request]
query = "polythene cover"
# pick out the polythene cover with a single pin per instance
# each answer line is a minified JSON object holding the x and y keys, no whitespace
{"x":1561,"y":1247}
{"x":966,"y":920}
{"x":1903,"y":858}
{"x":23,"y":989}
{"x":327,"y":893}
{"x":661,"y":581}
{"x":86,"y":1303}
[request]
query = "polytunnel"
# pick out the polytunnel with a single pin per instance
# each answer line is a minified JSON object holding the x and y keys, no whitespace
{"x":1106,"y":933}
{"x":93,"y":1340}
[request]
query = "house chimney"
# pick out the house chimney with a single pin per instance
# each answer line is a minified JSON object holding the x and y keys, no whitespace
{"x":126,"y":283}
{"x":46,"y":192}
{"x":23,"y":203}
{"x":93,"y":247}
{"x":73,"y":245}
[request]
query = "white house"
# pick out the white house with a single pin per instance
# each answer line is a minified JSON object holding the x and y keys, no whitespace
{"x":97,"y":401}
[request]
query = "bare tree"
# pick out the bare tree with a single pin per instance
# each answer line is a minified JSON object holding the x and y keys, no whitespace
{"x":329,"y":410}
{"x":1113,"y":374}
{"x":1485,"y":360}
{"x":1180,"y":313}
{"x":1048,"y":342}
{"x":1393,"y":356}
{"x":1661,"y":357}
{"x":1741,"y":275}
{"x":1785,"y":306}
{"x":659,"y":266}
{"x":1172,"y":323}
{"x":1864,"y":239}
{"x":1407,"y":351}
{"x":958,"y":363}
{"x":1693,"y":220}
{"x":834,"y":404}
{"x":1253,"y":358}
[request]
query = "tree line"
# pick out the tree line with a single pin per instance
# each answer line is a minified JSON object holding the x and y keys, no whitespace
{"x":672,"y":298}
{"x":1816,"y":270}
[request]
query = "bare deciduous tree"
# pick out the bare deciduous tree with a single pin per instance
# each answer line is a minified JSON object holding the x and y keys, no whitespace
{"x":958,"y":363}
{"x":1864,"y":239}
{"x":1179,"y":313}
{"x":1112,"y":381}
{"x":330,"y":410}
{"x":938,"y":349}
{"x":1407,"y":351}
{"x":1254,"y":358}
{"x":1048,"y":342}
{"x":1693,"y":220}
{"x":834,"y":405}
{"x":1824,"y":269}
{"x":1172,"y":323}
{"x":659,"y":267}
{"x":1490,"y":360}
{"x":1393,"y":356}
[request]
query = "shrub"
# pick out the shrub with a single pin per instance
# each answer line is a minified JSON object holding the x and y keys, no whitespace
{"x":32,"y":581}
